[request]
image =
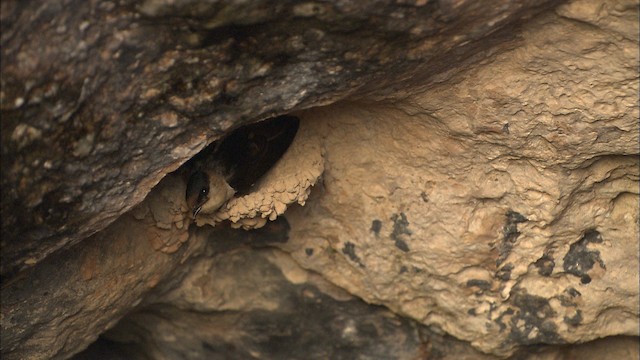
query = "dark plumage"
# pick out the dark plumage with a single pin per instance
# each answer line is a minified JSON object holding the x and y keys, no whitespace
{"x":235,"y":163}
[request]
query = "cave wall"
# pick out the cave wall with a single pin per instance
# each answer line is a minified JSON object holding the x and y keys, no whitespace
{"x":100,"y":100}
{"x":495,"y":201}
{"x":501,"y":205}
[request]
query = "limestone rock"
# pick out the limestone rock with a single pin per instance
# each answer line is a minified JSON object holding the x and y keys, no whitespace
{"x":245,"y":302}
{"x":100,"y":100}
{"x":508,"y":216}
{"x":60,"y":306}
{"x":474,"y":189}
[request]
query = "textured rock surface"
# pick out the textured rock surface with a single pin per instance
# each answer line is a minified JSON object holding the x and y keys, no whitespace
{"x":247,"y":303}
{"x":492,"y":198}
{"x":60,"y":306}
{"x":238,"y":302}
{"x":101,"y":99}
{"x":501,"y":206}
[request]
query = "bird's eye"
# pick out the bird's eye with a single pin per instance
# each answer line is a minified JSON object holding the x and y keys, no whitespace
{"x":203,"y":195}
{"x":197,"y":189}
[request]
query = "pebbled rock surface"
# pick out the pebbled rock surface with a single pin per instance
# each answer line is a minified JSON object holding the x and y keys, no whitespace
{"x":480,"y":187}
{"x":500,"y":205}
{"x":101,"y":99}
{"x":240,"y":299}
{"x":57,"y":308}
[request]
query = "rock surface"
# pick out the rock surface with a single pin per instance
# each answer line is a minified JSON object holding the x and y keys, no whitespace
{"x":101,"y":99}
{"x":238,"y":302}
{"x":57,"y":308}
{"x":470,"y":195}
{"x":507,"y":216}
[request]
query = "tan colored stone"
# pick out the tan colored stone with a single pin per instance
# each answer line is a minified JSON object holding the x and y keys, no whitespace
{"x":548,"y":130}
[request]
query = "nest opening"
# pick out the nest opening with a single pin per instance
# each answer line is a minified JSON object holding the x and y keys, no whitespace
{"x":269,"y":165}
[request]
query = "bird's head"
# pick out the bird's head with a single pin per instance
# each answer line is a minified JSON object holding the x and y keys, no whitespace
{"x":197,"y":191}
{"x":206,"y":192}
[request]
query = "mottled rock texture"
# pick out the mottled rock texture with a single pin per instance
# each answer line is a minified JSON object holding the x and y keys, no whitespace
{"x":101,"y":99}
{"x":473,"y":193}
{"x":500,"y":205}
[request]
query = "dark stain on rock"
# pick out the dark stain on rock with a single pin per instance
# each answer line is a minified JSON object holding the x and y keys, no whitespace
{"x":349,"y":249}
{"x":376,"y":226}
{"x":400,"y":230}
{"x":510,"y":234}
{"x":210,"y":348}
{"x":568,"y":297}
{"x":308,"y":251}
{"x":580,"y":259}
{"x":499,"y":321}
{"x":510,"y":229}
{"x":482,"y":284}
{"x":573,"y":292}
{"x":274,"y":232}
{"x":545,"y":265}
{"x":566,"y":301}
{"x":574,"y":320}
{"x":402,"y":245}
{"x":504,"y":273}
{"x":532,"y":321}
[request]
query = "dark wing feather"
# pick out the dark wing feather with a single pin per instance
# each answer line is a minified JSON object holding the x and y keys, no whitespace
{"x":250,"y":151}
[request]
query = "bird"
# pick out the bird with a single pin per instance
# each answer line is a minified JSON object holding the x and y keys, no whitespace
{"x":207,"y":191}
{"x":232,"y":165}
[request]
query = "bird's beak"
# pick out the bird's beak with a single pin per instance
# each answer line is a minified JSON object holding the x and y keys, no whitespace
{"x":196,"y":211}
